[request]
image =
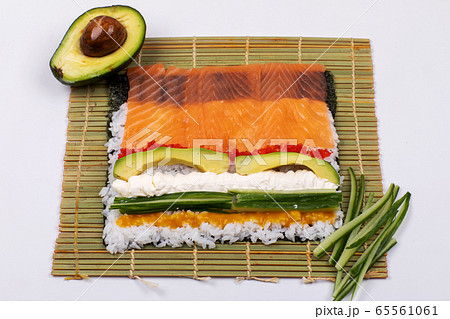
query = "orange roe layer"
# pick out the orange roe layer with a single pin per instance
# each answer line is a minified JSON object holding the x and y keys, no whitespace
{"x":185,"y":218}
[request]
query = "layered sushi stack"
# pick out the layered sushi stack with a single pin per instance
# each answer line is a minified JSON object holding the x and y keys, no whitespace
{"x":223,"y":154}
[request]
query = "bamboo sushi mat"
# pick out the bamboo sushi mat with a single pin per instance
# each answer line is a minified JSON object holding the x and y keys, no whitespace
{"x":80,"y":251}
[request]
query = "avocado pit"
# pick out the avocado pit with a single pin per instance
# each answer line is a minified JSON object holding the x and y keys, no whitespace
{"x":102,"y":36}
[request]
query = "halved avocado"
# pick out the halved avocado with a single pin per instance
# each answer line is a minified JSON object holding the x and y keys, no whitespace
{"x":71,"y":66}
{"x":203,"y":159}
{"x":253,"y":164}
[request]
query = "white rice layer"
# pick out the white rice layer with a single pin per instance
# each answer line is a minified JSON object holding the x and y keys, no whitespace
{"x":119,"y":239}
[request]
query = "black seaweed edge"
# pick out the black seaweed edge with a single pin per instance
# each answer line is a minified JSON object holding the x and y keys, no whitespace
{"x":118,"y":87}
{"x":331,"y":93}
{"x":332,"y":101}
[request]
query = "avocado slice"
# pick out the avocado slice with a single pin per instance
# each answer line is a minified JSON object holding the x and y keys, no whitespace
{"x":202,"y":159}
{"x":70,"y":65}
{"x":253,"y":164}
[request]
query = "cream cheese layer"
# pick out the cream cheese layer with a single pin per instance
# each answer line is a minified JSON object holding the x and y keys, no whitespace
{"x":160,"y":183}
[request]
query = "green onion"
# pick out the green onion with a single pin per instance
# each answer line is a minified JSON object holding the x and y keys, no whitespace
{"x":377,"y":252}
{"x":286,"y":201}
{"x":338,"y":280}
{"x":351,"y":213}
{"x":349,"y":283}
{"x":373,"y":253}
{"x":344,"y":291}
{"x":348,"y":277}
{"x":353,"y":283}
{"x":369,"y":201}
{"x":398,"y":220}
{"x":346,"y":254}
{"x":177,"y":201}
{"x":281,"y":206}
{"x":385,"y":235}
{"x":229,"y":203}
{"x":384,"y":249}
{"x":279,"y":191}
{"x":338,"y":248}
{"x":365,"y":268}
{"x":360,"y":200}
{"x":289,"y":197}
{"x":386,"y":214}
{"x":320,"y":250}
{"x":365,"y":234}
{"x":359,"y":237}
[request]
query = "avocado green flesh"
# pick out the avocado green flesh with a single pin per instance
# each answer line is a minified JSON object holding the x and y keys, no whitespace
{"x":202,"y":159}
{"x":70,"y":66}
{"x":253,"y":164}
{"x":209,"y":161}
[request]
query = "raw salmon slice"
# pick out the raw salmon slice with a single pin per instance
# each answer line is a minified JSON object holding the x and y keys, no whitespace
{"x":228,"y":108}
{"x":212,"y":83}
{"x":303,"y":121}
{"x":295,"y":81}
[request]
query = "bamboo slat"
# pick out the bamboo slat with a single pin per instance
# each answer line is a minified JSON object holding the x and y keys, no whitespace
{"x":79,"y":249}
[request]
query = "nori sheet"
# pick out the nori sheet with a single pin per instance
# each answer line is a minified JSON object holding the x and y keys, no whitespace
{"x":118,"y":94}
{"x":331,"y":93}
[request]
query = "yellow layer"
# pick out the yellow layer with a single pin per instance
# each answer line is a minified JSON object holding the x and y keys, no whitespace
{"x":185,"y":218}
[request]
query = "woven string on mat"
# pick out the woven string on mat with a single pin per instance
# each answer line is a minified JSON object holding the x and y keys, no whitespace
{"x":300,"y":50}
{"x":194,"y":52}
{"x":196,"y":276}
{"x":249,"y":269}
{"x":77,"y":275}
{"x":247,"y":49}
{"x":140,"y":57}
{"x":355,"y":116}
{"x":308,"y":279}
{"x":133,"y":276}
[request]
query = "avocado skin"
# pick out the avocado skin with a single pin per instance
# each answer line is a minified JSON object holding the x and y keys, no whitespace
{"x":57,"y":72}
{"x":96,"y":78}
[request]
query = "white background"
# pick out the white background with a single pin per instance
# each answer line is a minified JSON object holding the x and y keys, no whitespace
{"x":410,"y":43}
